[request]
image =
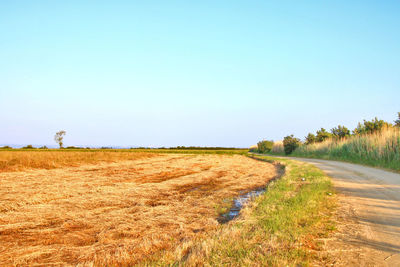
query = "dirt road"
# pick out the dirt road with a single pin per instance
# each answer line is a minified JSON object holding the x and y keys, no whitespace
{"x":369,"y":203}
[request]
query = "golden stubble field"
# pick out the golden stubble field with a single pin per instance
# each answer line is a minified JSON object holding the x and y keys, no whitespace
{"x":118,"y":212}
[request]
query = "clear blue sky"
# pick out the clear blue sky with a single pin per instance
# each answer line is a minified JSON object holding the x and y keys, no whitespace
{"x":211,"y":73}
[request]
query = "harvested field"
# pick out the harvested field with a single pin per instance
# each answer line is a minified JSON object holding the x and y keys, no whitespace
{"x":51,"y":159}
{"x":118,"y":213}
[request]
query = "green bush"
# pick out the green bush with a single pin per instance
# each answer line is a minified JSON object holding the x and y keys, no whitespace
{"x":264,"y":146}
{"x":340,"y":132}
{"x":310,"y":139}
{"x":290,"y":143}
{"x":28,"y":147}
{"x":322,"y":135}
{"x":397,"y":122}
{"x":372,"y":126}
{"x":253,"y":149}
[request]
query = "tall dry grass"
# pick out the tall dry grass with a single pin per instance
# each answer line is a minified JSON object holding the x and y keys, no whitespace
{"x":22,"y":160}
{"x":380,"y":149}
{"x":277,"y":148}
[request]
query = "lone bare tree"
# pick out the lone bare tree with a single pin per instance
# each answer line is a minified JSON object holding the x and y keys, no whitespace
{"x":59,"y":138}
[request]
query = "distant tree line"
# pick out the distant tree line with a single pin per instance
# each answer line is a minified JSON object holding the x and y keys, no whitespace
{"x":25,"y":147}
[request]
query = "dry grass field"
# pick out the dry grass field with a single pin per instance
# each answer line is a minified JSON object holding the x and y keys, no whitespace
{"x":51,"y":159}
{"x":117,"y":210}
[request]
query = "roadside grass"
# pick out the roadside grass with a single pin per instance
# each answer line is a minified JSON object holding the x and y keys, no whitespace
{"x":279,"y":228}
{"x":380,"y":149}
{"x":22,"y":159}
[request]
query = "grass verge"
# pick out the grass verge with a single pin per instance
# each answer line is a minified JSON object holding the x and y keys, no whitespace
{"x":280,"y":228}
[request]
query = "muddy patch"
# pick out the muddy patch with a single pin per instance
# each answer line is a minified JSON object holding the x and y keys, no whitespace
{"x":239,"y":203}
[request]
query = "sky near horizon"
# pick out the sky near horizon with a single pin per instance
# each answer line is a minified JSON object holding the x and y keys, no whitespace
{"x":211,"y":73}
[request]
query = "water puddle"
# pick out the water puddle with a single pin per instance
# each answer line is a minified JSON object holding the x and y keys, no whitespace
{"x":239,"y":203}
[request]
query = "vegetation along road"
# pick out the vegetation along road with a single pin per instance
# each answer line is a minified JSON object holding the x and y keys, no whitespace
{"x":368,"y":213}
